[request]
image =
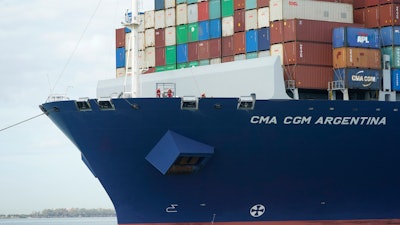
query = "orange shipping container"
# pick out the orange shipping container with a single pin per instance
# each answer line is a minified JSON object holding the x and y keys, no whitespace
{"x":356,"y":58}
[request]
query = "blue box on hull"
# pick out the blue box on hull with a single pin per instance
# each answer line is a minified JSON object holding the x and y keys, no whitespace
{"x":120,"y":57}
{"x":251,"y":41}
{"x":395,"y":79}
{"x":390,"y":36}
{"x":355,"y":37}
{"x":356,"y":78}
{"x":264,"y":39}
{"x":215,"y":28}
{"x":181,"y":53}
{"x":204,"y":30}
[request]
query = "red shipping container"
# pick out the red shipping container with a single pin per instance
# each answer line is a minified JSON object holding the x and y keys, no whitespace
{"x":214,"y":48}
{"x":120,"y":38}
{"x":203,"y":50}
{"x":239,"y":21}
{"x":382,"y":2}
{"x":309,"y":77}
{"x":369,"y":3}
{"x":359,"y":16}
{"x":239,"y":4}
{"x":193,"y":52}
{"x":228,"y":59}
{"x":358,"y":4}
{"x":202,"y":11}
{"x":307,"y":53}
{"x":159,"y":37}
{"x":389,"y":15}
{"x":150,"y":70}
{"x":160,"y":56}
{"x":276,"y":32}
{"x":239,"y":43}
{"x":372,"y":17}
{"x":227,"y":46}
{"x":262,"y":3}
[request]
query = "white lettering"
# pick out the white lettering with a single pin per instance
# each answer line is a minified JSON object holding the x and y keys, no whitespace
{"x":263,"y":120}
{"x":328,"y":120}
{"x":362,"y":39}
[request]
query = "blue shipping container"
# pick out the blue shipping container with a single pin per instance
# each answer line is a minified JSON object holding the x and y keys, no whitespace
{"x":181,"y":53}
{"x":356,"y":78}
{"x":251,"y":41}
{"x":390,"y":36}
{"x":396,"y":79}
{"x":159,"y":5}
{"x":356,"y":37}
{"x":120,"y":57}
{"x":204,"y":30}
{"x":215,"y":28}
{"x":263,"y":39}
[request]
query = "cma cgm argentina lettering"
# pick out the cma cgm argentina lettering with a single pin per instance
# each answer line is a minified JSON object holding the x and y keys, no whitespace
{"x":236,"y":142}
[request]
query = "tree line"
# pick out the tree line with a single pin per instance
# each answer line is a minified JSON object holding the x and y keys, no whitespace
{"x":63,"y":212}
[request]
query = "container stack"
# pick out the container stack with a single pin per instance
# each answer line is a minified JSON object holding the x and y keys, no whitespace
{"x":357,"y":58}
{"x":383,"y":15}
{"x":301,"y":34}
{"x":120,"y":37}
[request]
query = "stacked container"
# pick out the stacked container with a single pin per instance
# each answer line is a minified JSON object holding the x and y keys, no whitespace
{"x":301,"y":34}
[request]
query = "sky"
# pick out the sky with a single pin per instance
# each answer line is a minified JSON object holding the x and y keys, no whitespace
{"x":39,"y":167}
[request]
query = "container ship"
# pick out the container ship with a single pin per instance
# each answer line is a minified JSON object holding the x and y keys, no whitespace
{"x":247,"y":112}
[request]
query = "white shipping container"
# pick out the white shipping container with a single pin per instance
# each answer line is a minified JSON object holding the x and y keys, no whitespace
{"x":150,"y":56}
{"x":149,"y":37}
{"x":141,"y":44}
{"x":311,"y":10}
{"x":215,"y":61}
{"x":169,"y":4}
{"x":170,"y":17}
{"x":181,"y":14}
{"x":239,"y":57}
{"x":149,"y":19}
{"x":264,"y":54}
{"x":159,"y":20}
{"x":141,"y":23}
{"x":277,"y":50}
{"x":263,"y":17}
{"x":227,"y":26}
{"x":170,"y":36}
{"x":142,"y":60}
{"x":251,"y":20}
{"x":120,"y":72}
{"x":192,"y":13}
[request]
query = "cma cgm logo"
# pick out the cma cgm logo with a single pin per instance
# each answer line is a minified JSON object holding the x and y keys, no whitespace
{"x":362,"y":38}
{"x":367,"y":80}
{"x":293,"y":3}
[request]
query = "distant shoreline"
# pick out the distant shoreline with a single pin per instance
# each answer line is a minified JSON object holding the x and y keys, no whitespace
{"x":64,"y":213}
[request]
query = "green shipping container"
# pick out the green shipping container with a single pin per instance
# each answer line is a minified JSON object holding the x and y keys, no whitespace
{"x":193,"y":64}
{"x":251,"y":4}
{"x":165,"y":68}
{"x":252,"y":55}
{"x":204,"y":62}
{"x":214,"y":9}
{"x":181,"y":65}
{"x":193,"y":32}
{"x":182,"y":34}
{"x":227,"y":8}
{"x":170,"y":55}
{"x":191,"y":1}
{"x":180,"y":1}
{"x":394,"y":53}
{"x":170,"y":67}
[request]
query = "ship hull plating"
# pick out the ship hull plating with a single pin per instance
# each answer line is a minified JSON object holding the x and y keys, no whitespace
{"x":306,"y":162}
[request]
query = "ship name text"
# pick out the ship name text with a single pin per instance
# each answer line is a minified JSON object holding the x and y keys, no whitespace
{"x":322,"y":120}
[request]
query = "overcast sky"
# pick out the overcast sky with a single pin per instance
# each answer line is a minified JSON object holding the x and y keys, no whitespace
{"x":39,"y":167}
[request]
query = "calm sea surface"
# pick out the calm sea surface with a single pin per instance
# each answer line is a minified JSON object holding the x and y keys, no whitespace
{"x":61,"y":221}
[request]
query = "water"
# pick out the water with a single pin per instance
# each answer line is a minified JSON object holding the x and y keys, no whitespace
{"x":61,"y":221}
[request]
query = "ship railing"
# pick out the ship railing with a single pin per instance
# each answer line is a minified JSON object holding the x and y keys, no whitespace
{"x":57,"y":98}
{"x":290,"y":84}
{"x":336,"y":85}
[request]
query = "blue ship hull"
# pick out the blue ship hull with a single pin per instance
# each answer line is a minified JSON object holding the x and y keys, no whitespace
{"x":299,"y":161}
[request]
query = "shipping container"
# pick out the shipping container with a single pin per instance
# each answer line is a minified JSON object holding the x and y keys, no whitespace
{"x":181,"y":14}
{"x":169,"y":4}
{"x":239,"y":21}
{"x":182,"y":34}
{"x":355,"y":78}
{"x":394,"y":53}
{"x":239,"y":57}
{"x":239,"y":4}
{"x":276,"y":32}
{"x":372,"y":17}
{"x":357,"y":4}
{"x":214,"y":9}
{"x":150,"y":56}
{"x":182,"y":53}
{"x":215,"y":28}
{"x":120,"y":57}
{"x":312,"y":10}
{"x":389,"y":15}
{"x":149,"y":70}
{"x":359,"y":15}
{"x":191,"y":1}
{"x":263,"y":39}
{"x":264,"y":54}
{"x":193,"y":32}
{"x":120,"y":72}
{"x":382,"y":2}
{"x":215,"y":61}
{"x":159,"y":4}
{"x":395,"y":74}
{"x":204,"y":30}
{"x":262,"y":3}
{"x":142,"y":64}
{"x":203,"y":50}
{"x":263,"y":17}
{"x":227,"y":8}
{"x":227,"y":26}
{"x":141,"y":41}
{"x":165,"y":68}
{"x":227,"y":59}
{"x":159,"y":20}
{"x":170,"y":17}
{"x":356,"y":37}
{"x":141,"y":23}
{"x":170,"y":36}
{"x":204,"y":62}
{"x":227,"y":46}
{"x":203,"y":12}
{"x":149,"y":19}
{"x":120,"y":37}
{"x":180,"y":1}
{"x":214,"y":48}
{"x":193,"y":14}
{"x":193,"y":64}
{"x":239,"y":43}
{"x":181,"y":65}
{"x":251,"y":4}
{"x":251,"y":55}
{"x":160,"y":37}
{"x":160,"y":56}
{"x":390,"y":36}
{"x":309,"y":77}
{"x":193,"y":51}
{"x":369,"y":3}
{"x":348,"y":57}
{"x":251,"y":19}
{"x":304,"y":53}
{"x":251,"y":41}
{"x":149,"y":37}
{"x":170,"y":55}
